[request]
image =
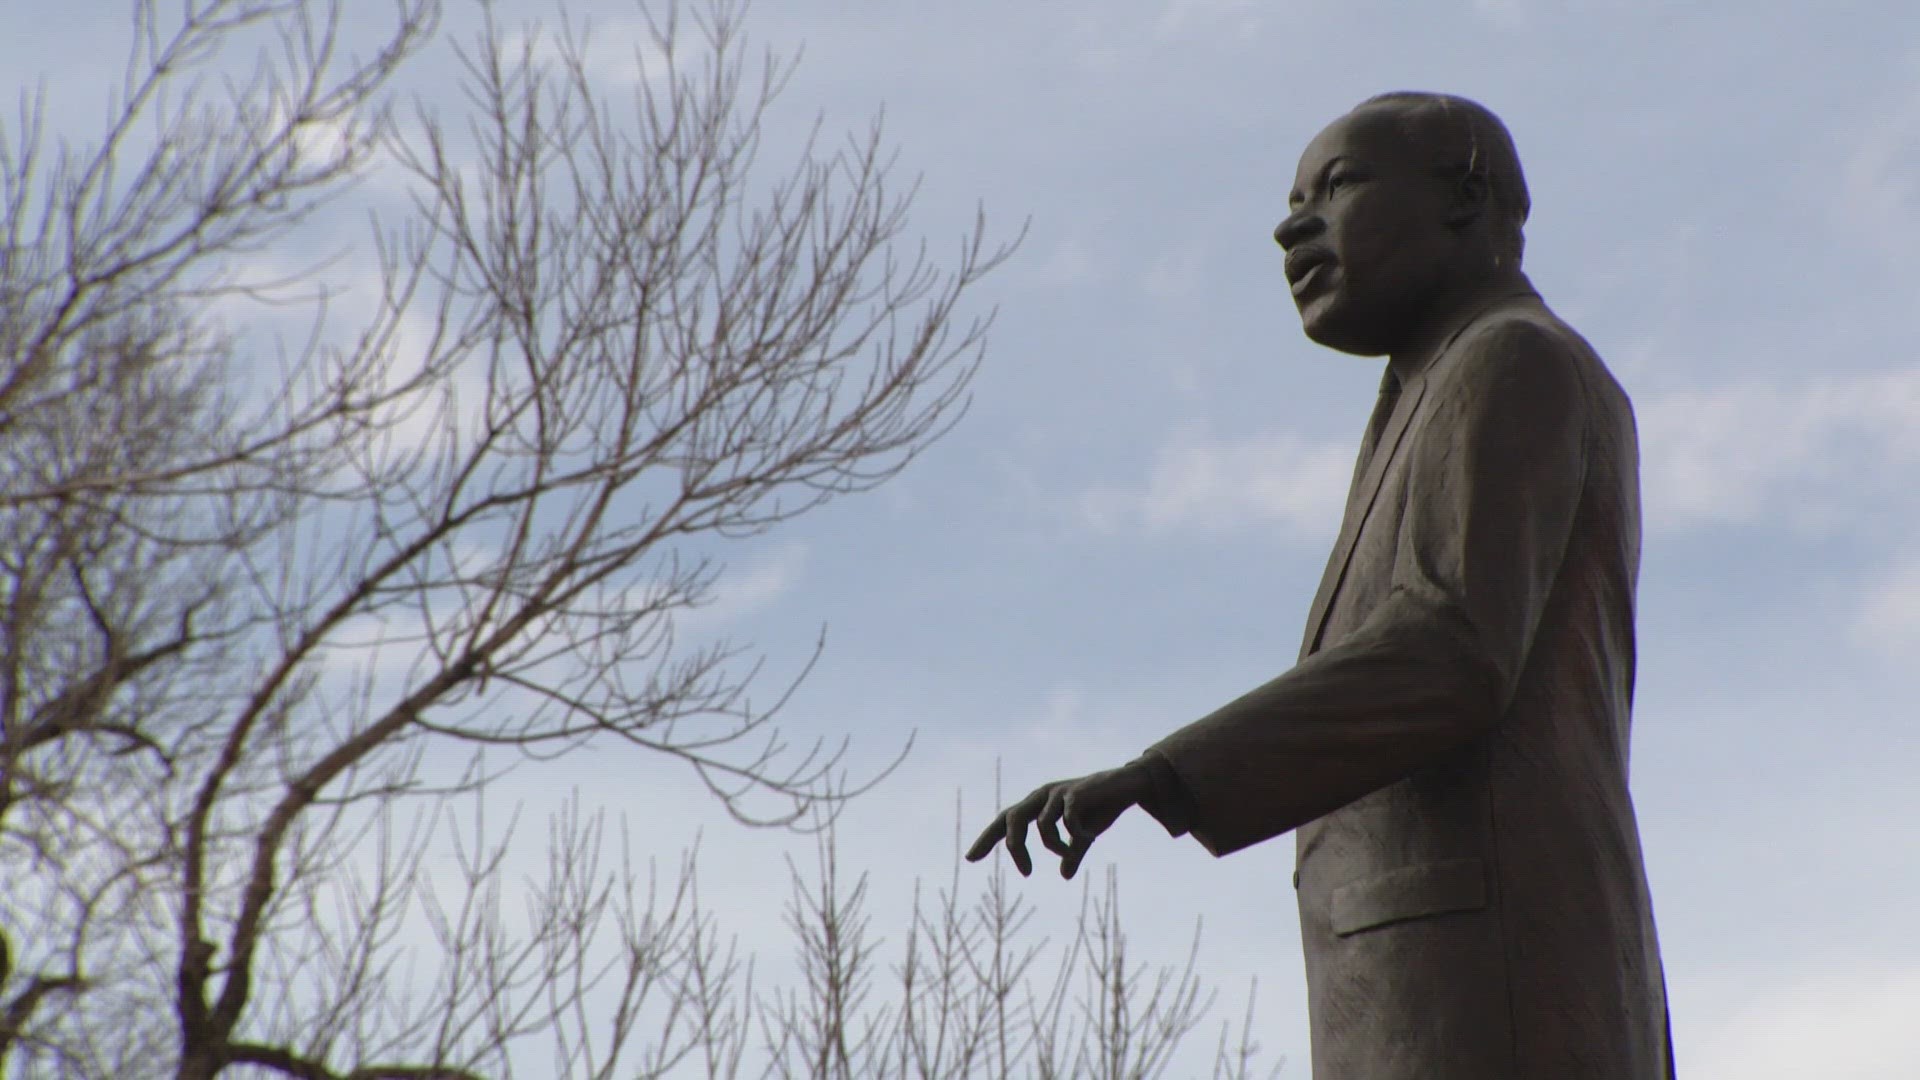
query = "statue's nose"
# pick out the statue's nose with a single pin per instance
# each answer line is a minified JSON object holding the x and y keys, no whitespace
{"x":1295,"y":228}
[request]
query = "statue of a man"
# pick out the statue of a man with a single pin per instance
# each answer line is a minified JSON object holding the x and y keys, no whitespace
{"x":1452,"y":745}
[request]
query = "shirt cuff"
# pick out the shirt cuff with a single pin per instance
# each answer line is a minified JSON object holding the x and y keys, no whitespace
{"x":1170,"y":804}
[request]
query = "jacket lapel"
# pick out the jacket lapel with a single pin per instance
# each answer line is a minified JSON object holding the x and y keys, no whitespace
{"x":1359,"y":505}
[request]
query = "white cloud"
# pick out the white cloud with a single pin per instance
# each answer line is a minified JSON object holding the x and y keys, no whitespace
{"x":384,"y":647}
{"x":1206,"y":15}
{"x":1065,"y":722}
{"x":1209,"y":485}
{"x":1120,"y":39}
{"x":1837,"y":1025}
{"x":1067,"y":263}
{"x":321,"y":143}
{"x":342,"y":286}
{"x":452,"y":404}
{"x":747,"y":590}
{"x":1879,"y":197}
{"x":1506,"y":14}
{"x":1888,"y":619}
{"x":1812,"y":456}
{"x":613,"y":52}
{"x":1177,"y":275}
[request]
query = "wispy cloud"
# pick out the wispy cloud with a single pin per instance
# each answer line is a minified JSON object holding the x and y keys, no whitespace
{"x":613,"y":52}
{"x":1506,"y":14}
{"x":1066,"y":263}
{"x":746,"y":590}
{"x":1177,"y":276}
{"x":1843,"y":1023}
{"x":1201,"y":484}
{"x":1813,"y":456}
{"x":1879,"y":198}
{"x":1178,"y":16}
{"x":1818,"y":457}
{"x":1888,"y":619}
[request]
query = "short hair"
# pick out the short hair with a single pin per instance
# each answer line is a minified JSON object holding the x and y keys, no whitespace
{"x":1474,"y":143}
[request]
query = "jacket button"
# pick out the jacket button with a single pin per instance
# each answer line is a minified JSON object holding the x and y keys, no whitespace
{"x":1296,"y":879}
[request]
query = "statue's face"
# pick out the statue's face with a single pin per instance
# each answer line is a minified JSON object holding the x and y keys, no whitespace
{"x":1366,"y":236}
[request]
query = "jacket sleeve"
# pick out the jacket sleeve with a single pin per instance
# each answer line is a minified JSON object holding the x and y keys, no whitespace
{"x":1170,"y":803}
{"x":1495,"y":475}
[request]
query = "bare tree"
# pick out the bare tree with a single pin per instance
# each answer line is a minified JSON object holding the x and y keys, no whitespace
{"x":257,"y":599}
{"x":246,"y":595}
{"x":965,"y":997}
{"x":139,"y":478}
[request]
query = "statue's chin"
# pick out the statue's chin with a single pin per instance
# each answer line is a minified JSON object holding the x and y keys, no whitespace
{"x":1336,"y":322}
{"x":1342,"y":338}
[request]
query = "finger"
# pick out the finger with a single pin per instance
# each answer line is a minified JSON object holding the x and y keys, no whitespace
{"x":1070,"y":862}
{"x":1015,"y":824}
{"x":988,"y":838}
{"x":1049,"y":821}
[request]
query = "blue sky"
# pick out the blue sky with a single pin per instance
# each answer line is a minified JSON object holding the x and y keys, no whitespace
{"x":1127,"y":527}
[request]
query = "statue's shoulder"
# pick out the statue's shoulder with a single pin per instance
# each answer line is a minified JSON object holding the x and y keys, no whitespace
{"x":1525,"y":329}
{"x":1524,"y":324}
{"x":1520,"y":350}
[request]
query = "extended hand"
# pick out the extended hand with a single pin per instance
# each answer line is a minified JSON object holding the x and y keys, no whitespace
{"x":1087,"y":805}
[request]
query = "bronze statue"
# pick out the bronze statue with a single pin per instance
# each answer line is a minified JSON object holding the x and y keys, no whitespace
{"x":1452,"y":745}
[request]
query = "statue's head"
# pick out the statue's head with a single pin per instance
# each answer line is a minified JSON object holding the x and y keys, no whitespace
{"x":1399,"y":209}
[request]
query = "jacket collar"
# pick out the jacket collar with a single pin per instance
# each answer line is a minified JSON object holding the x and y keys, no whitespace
{"x":1410,"y":365}
{"x":1367,"y":483}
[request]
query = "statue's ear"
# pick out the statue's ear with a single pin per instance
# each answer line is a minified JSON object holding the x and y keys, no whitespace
{"x":1471,"y":197}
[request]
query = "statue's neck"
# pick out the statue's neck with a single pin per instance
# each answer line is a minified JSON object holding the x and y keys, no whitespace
{"x":1452,"y":312}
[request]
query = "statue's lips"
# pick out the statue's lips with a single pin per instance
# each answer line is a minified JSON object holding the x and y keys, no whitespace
{"x":1306,"y":267}
{"x":1308,"y":280}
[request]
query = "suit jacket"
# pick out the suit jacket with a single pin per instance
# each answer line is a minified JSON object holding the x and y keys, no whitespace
{"x":1452,"y":745}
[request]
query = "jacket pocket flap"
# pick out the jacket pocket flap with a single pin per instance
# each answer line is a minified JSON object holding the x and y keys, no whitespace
{"x":1409,"y":893}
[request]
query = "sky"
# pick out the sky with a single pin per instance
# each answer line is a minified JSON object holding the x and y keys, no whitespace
{"x":1125,"y":530}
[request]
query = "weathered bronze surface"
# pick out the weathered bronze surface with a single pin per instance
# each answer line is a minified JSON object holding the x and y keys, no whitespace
{"x":1452,"y":746}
